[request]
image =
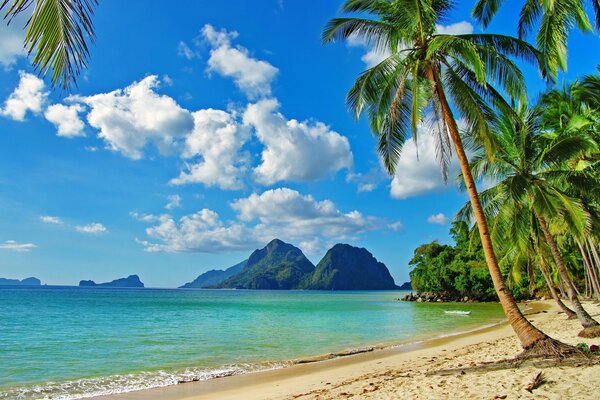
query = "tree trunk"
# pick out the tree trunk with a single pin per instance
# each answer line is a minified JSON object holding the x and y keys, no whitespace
{"x":593,"y":328}
{"x":528,"y":334}
{"x":570,"y":313}
{"x":592,"y":271}
{"x":593,"y":282}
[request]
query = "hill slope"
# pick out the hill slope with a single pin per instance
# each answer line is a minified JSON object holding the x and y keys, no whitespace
{"x":346,"y":267}
{"x":278,"y":265}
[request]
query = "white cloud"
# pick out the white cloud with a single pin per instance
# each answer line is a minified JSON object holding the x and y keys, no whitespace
{"x":48,"y":219}
{"x":396,"y":226}
{"x":295,"y":151}
{"x":459,"y":28}
{"x":11,"y":245}
{"x":200,"y":232}
{"x":174,"y":202}
{"x":300,"y":216}
{"x":29,"y":95}
{"x":130,"y":118}
{"x":366,"y":182}
{"x":66,"y":119}
{"x":439,"y":219}
{"x":184,"y":50}
{"x":217,"y":140}
{"x":250,"y":75}
{"x":419,"y":175}
{"x":93,"y":228}
{"x":11,"y":41}
{"x":91,"y":149}
{"x":281,"y":213}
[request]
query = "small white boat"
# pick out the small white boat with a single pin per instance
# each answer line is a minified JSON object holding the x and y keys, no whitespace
{"x":458,"y":312}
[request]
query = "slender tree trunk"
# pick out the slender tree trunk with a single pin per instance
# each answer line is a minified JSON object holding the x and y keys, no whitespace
{"x":592,"y":270}
{"x":593,"y":281}
{"x":528,"y":334}
{"x":584,"y":318}
{"x":570,"y":313}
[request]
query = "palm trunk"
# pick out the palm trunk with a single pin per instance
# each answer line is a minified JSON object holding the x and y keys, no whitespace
{"x":528,"y":334}
{"x":570,"y":313}
{"x":593,"y":328}
{"x":593,"y":281}
{"x":592,"y":270}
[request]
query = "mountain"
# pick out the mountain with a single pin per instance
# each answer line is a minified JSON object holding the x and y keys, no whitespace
{"x":346,"y":267}
{"x":406,"y":286}
{"x":214,"y":276}
{"x":278,"y":265}
{"x":132,"y":281}
{"x":25,"y":282}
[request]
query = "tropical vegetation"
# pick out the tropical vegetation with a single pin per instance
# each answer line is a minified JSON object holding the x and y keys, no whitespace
{"x":429,"y":76}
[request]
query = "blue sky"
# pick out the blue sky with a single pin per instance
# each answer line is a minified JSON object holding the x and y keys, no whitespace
{"x":200,"y":132}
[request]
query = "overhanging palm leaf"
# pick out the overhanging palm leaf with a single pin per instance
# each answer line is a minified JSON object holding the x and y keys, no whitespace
{"x":56,"y":35}
{"x":554,"y":20}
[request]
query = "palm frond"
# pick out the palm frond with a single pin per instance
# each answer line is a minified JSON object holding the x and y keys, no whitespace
{"x":57,"y":35}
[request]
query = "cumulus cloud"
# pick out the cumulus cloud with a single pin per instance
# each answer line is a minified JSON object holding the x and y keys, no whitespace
{"x":66,"y":119}
{"x":174,"y":202}
{"x":130,"y":118}
{"x":419,"y":173}
{"x":12,"y":245}
{"x":438,"y":219}
{"x":202,"y":232}
{"x":93,"y":228}
{"x":251,"y":76}
{"x":295,"y":151}
{"x":283,"y":213}
{"x":301,"y":215}
{"x":29,"y":95}
{"x":11,"y":41}
{"x":49,"y":219}
{"x":214,"y":149}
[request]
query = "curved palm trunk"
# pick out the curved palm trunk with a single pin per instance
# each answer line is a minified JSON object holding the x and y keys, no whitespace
{"x":528,"y":334}
{"x":590,"y":325}
{"x":570,"y":313}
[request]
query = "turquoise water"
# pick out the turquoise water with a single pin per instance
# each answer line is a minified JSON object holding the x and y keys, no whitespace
{"x":66,"y":343}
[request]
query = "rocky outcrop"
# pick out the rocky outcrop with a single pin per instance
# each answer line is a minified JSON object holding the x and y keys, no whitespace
{"x":132,"y":281}
{"x":278,"y":265}
{"x":25,"y":282}
{"x":427,"y":297}
{"x":346,"y":267}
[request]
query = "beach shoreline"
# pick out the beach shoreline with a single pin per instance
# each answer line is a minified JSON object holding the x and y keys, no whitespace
{"x":343,"y":377}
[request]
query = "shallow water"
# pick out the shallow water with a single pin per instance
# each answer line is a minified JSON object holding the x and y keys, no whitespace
{"x":66,"y":343}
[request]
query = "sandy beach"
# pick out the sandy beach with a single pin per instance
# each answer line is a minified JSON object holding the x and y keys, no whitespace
{"x":401,"y":373}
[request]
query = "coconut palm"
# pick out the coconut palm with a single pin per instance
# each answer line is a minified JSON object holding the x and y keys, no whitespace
{"x":554,"y":20}
{"x":56,"y":35}
{"x":533,"y":175}
{"x":424,"y":74}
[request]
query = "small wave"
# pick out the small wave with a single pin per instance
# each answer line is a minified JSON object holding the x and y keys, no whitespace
{"x":115,"y":384}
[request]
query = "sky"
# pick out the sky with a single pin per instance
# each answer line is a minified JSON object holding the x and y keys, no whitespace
{"x":200,"y":132}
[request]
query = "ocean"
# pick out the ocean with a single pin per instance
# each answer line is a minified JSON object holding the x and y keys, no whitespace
{"x":71,"y":343}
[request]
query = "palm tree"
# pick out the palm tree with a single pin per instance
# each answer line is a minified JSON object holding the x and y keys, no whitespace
{"x":56,"y":35}
{"x":531,"y":168}
{"x":554,"y":19}
{"x":424,"y":73}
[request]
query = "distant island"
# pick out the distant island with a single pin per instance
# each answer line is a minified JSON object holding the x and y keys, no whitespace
{"x":214,"y":277}
{"x":25,"y":282}
{"x":282,"y":266}
{"x":132,"y":281}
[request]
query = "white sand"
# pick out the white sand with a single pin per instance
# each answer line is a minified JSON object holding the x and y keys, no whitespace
{"x":396,"y":374}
